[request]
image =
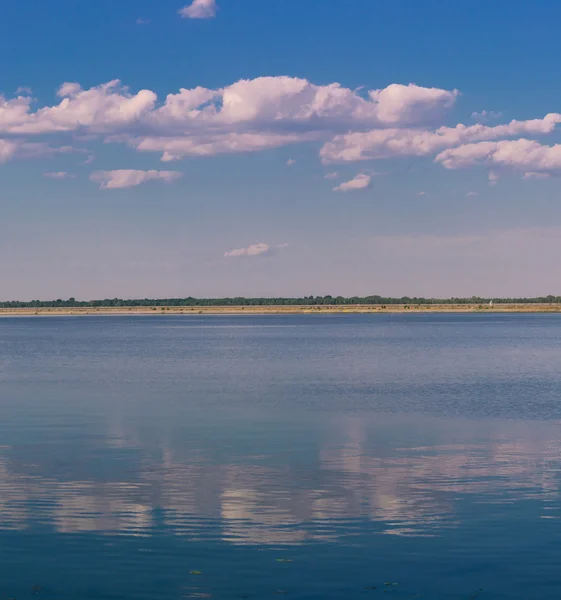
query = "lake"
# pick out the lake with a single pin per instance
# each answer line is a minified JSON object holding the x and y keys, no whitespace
{"x":306,"y":456}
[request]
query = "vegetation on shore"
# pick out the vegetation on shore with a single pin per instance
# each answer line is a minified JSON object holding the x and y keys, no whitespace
{"x":305,"y":301}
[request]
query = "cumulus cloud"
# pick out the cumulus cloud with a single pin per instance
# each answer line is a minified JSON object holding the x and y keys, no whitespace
{"x":124,"y":178}
{"x":389,"y":143}
{"x":525,"y":155}
{"x":421,"y":194}
{"x":403,"y":103}
{"x":105,"y":108}
{"x":254,"y":250}
{"x":253,"y":115}
{"x":290,"y":162}
{"x":246,"y":116}
{"x":359,"y":182}
{"x":332,"y":175}
{"x":59,"y":175}
{"x":472,"y":194}
{"x":199,"y":9}
{"x":290,"y":100}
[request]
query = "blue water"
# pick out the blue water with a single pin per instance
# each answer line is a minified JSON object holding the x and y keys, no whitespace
{"x":322,"y":457}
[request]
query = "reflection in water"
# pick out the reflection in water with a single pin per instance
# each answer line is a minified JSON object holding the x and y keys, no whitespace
{"x":420,"y":449}
{"x":356,"y":475}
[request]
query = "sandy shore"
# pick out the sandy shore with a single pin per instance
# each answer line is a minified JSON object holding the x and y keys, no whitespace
{"x":270,"y":310}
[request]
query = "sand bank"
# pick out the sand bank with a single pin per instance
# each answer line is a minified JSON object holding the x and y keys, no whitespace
{"x":273,"y":310}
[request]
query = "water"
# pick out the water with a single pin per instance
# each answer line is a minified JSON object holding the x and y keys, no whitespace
{"x":262,"y":456}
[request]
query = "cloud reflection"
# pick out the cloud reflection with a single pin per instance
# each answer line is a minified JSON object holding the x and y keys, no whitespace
{"x":353,"y":479}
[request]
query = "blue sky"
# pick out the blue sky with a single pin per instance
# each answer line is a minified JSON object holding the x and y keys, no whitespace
{"x":432,"y":168}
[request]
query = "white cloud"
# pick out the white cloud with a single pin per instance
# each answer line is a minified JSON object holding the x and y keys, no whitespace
{"x":398,"y":104}
{"x":199,"y":9}
{"x":421,"y":194}
{"x":248,"y":115}
{"x":105,"y":108}
{"x":176,"y":148}
{"x":70,"y":88}
{"x":260,"y":249}
{"x":290,"y":162}
{"x":13,"y":112}
{"x":388,"y":143}
{"x":142,"y":21}
{"x":59,"y":175}
{"x":125,"y":178}
{"x":472,"y":194}
{"x":359,"y":182}
{"x":332,"y":175}
{"x":254,"y":115}
{"x":281,"y":101}
{"x":525,"y":155}
{"x":493,"y":178}
{"x":24,"y":90}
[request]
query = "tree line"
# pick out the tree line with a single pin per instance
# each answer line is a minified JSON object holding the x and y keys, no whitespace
{"x":304,"y":301}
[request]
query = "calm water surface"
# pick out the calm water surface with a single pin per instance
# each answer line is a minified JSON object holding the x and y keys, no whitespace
{"x":256,"y":457}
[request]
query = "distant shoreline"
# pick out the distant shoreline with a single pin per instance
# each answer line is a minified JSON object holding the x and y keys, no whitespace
{"x":281,"y":310}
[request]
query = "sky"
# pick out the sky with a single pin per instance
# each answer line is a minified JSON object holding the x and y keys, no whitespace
{"x":304,"y":147}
